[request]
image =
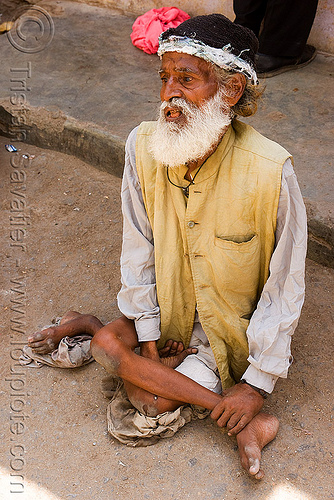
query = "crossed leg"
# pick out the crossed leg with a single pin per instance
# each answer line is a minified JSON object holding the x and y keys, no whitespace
{"x":152,"y":386}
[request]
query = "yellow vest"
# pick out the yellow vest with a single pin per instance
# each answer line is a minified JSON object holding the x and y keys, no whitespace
{"x":213,"y":249}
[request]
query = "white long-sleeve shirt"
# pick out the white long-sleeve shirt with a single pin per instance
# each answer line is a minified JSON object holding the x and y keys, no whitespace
{"x":278,"y":310}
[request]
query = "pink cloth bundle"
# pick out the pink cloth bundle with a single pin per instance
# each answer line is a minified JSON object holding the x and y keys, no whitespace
{"x":147,"y":28}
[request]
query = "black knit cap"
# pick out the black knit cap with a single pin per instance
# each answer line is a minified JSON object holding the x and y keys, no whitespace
{"x":216,"y":30}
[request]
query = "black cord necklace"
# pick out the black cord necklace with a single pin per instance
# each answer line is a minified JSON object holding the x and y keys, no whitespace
{"x":186,"y":188}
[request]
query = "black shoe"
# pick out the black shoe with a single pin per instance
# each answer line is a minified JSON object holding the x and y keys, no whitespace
{"x":268,"y":66}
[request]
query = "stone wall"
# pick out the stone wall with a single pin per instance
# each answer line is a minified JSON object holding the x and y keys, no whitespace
{"x":322,"y":34}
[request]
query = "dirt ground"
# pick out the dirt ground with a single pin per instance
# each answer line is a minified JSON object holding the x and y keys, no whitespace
{"x":61,"y":235}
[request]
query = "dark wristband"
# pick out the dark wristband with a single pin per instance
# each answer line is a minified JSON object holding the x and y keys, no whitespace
{"x":263,"y":393}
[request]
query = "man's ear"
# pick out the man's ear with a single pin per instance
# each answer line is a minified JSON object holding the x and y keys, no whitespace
{"x":235,"y":88}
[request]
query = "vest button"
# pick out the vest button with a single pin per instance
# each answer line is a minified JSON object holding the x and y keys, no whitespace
{"x":191,"y":223}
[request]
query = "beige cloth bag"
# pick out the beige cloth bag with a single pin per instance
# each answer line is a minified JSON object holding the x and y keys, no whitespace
{"x":131,"y":427}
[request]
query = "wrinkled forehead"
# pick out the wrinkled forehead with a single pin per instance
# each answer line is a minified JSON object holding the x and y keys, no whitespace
{"x":175,"y":61}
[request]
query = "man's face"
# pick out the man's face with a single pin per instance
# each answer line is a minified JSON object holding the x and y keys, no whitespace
{"x":187,"y":77}
{"x":193,"y":114}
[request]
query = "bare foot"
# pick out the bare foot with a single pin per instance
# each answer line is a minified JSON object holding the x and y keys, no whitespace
{"x":73,"y":323}
{"x":69,"y":316}
{"x":46,"y":340}
{"x":174,"y":353}
{"x":260,"y":431}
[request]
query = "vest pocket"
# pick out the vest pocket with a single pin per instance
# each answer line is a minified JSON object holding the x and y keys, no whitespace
{"x":238,"y":269}
{"x":243,"y":243}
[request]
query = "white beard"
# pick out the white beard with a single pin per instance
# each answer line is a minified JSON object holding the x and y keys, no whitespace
{"x":176,"y":144}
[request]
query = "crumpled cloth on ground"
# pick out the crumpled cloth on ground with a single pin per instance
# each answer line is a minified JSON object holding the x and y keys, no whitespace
{"x":147,"y":28}
{"x":133,"y":428}
{"x":71,"y":352}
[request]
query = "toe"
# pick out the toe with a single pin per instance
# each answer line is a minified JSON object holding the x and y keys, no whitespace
{"x":254,"y":464}
{"x":35,"y":337}
{"x":259,"y":475}
{"x":43,"y":347}
{"x":42,"y":350}
{"x":36,"y":344}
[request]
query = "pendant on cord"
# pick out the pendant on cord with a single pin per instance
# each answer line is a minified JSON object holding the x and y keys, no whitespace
{"x":186,"y":190}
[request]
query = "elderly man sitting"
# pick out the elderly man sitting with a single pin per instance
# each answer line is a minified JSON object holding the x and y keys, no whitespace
{"x":213,"y":246}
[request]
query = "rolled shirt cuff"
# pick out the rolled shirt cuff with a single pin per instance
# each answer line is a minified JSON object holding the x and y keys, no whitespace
{"x":148,"y":329}
{"x":260,"y":379}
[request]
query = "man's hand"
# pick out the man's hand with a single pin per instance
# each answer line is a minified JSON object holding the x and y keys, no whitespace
{"x":239,"y":405}
{"x":173,"y":353}
{"x":171,"y":348}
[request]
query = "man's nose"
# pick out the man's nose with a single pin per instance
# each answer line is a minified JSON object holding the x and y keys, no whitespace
{"x":171,"y":88}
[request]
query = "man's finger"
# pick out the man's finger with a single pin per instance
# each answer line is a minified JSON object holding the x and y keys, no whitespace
{"x":180,"y":347}
{"x":239,"y":426}
{"x":173,"y":348}
{"x":168,"y":344}
{"x":224,"y":418}
{"x":191,"y":350}
{"x":235,"y":419}
{"x":165,"y":351}
{"x":218,"y":410}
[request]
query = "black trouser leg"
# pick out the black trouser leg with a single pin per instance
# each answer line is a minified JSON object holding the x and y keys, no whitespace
{"x":250,"y":13}
{"x":287,"y":25}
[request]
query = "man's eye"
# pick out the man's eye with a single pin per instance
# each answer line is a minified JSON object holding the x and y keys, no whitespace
{"x":187,"y":79}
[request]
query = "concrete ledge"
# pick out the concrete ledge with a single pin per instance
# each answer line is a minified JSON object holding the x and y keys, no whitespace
{"x":52,"y":129}
{"x":320,"y":236}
